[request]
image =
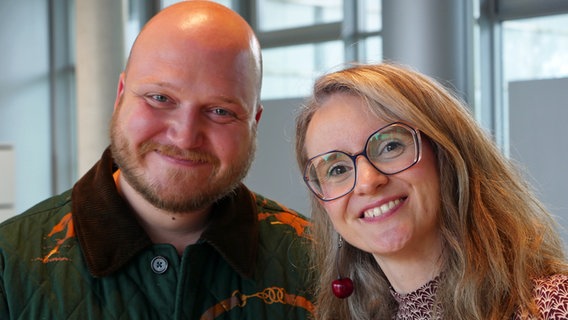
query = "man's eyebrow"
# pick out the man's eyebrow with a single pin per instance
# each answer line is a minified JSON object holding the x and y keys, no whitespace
{"x":163,"y":84}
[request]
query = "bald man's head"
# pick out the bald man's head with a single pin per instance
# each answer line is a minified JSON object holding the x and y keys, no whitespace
{"x":207,"y":26}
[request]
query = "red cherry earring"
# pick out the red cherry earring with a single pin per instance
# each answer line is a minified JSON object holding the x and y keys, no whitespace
{"x":341,"y":287}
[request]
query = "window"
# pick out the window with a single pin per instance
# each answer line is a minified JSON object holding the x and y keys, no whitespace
{"x":284,"y":14}
{"x":302,"y":39}
{"x":535,"y":48}
{"x":290,"y":71}
{"x":165,"y":3}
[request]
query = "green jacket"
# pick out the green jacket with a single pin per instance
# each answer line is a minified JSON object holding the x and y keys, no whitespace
{"x":83,"y":255}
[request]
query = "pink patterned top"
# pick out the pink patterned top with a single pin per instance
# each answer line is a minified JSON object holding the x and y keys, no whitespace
{"x":551,"y":296}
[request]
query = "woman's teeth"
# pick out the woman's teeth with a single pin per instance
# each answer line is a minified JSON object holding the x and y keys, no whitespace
{"x":378,"y":211}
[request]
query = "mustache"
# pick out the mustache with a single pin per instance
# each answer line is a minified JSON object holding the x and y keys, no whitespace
{"x":177,"y":153}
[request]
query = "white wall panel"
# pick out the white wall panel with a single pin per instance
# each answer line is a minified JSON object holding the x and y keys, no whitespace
{"x":538,"y":113}
{"x":6,"y":182}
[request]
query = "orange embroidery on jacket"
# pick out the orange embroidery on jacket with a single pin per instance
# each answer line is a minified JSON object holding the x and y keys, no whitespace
{"x":268,"y":296}
{"x":284,"y":217}
{"x":66,"y":225}
{"x":288,"y":218}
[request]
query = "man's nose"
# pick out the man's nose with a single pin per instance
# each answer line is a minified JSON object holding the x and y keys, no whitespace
{"x":186,"y":128}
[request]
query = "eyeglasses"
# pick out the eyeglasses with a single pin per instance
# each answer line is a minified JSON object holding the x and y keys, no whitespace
{"x":391,"y":149}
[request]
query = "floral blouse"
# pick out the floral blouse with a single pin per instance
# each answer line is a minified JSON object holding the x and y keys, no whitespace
{"x":551,"y":296}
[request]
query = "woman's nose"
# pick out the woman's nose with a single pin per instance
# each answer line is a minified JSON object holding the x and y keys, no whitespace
{"x":368,"y":179}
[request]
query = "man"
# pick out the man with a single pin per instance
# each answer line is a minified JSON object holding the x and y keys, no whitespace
{"x":162,"y":227}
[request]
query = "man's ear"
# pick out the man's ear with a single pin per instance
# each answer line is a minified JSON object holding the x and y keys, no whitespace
{"x":119,"y":90}
{"x":258,"y":113}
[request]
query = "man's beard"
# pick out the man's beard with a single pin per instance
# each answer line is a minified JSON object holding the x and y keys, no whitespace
{"x":187,"y":191}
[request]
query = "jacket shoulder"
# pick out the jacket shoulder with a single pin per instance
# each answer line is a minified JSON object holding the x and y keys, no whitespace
{"x":51,"y":204}
{"x":35,"y":222}
{"x":271,"y":212}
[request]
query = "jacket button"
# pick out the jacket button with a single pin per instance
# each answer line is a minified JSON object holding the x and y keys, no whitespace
{"x":159,"y":265}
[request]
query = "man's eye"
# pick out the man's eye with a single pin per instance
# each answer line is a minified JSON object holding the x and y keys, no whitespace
{"x":221,"y":112}
{"x":221,"y":115}
{"x":159,"y":98}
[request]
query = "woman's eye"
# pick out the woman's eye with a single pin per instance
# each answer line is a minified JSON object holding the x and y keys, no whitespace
{"x":392,"y":146}
{"x":337,"y":171}
{"x":388,"y":150}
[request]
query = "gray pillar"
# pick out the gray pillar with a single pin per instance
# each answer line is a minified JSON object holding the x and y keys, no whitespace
{"x":100,"y":59}
{"x":434,"y":37}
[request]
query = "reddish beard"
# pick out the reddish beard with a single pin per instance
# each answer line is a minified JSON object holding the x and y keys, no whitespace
{"x":188,"y":190}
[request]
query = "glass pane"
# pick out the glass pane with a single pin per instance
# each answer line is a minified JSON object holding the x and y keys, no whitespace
{"x":535,"y":48}
{"x":165,"y":3}
{"x":283,"y":14}
{"x":370,"y":16}
{"x":290,"y":71}
{"x":371,"y":49}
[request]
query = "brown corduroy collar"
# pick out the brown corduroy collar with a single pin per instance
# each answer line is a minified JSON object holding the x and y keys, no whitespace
{"x":110,"y":235}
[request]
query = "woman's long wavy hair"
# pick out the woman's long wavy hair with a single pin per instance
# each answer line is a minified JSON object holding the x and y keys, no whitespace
{"x":497,"y":236}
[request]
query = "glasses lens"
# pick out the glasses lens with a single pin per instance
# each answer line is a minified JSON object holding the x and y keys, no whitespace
{"x":393,"y":149}
{"x":330,"y":175}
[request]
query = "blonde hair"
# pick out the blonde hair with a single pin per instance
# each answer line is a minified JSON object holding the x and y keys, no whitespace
{"x":497,"y":236}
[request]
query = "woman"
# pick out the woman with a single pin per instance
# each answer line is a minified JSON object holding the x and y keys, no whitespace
{"x":415,"y":207}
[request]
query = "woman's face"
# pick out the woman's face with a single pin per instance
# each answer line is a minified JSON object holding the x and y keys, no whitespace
{"x":388,"y":216}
